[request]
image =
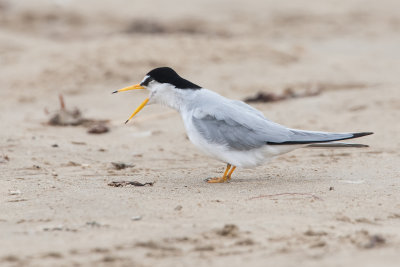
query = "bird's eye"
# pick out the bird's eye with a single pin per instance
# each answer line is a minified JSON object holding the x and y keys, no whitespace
{"x":146,"y":81}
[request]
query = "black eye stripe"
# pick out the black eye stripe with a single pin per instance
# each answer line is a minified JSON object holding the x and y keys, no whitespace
{"x":146,"y":82}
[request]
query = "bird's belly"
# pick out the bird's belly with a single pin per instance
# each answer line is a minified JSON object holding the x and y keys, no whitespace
{"x":240,"y":158}
{"x":212,"y":150}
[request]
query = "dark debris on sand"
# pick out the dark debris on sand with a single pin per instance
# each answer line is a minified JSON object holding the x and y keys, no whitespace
{"x":129,"y":183}
{"x":302,"y":90}
{"x":66,"y":117}
{"x":288,"y":93}
{"x":121,"y":165}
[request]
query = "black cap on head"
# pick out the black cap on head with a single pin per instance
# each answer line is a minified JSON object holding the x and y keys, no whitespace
{"x":168,"y":75}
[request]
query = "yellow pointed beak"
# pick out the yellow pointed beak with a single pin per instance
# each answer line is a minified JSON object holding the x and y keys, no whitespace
{"x":134,"y":87}
{"x":138,"y":109}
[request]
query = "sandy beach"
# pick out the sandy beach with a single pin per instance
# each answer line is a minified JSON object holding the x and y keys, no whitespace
{"x":311,"y":207}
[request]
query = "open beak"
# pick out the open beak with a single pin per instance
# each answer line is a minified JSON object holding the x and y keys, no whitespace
{"x":134,"y":87}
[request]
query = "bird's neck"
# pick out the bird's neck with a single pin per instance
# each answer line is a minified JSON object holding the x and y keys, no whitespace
{"x":172,"y":98}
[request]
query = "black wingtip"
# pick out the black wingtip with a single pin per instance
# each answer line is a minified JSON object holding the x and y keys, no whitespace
{"x":114,"y":92}
{"x":353,"y":135}
{"x":356,"y":135}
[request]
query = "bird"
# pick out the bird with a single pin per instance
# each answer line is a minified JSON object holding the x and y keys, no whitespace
{"x":230,"y":131}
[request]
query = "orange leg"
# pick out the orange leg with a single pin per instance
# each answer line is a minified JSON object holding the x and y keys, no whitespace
{"x":230,"y":173}
{"x":222,"y":179}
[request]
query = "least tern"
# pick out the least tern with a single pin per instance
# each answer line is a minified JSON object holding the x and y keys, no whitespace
{"x":228,"y":130}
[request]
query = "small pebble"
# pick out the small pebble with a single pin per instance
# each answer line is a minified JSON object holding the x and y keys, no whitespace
{"x":179,"y":207}
{"x":98,"y":129}
{"x":55,"y":228}
{"x":93,"y":224}
{"x":121,"y":165}
{"x":136,"y":218}
{"x":14,"y":192}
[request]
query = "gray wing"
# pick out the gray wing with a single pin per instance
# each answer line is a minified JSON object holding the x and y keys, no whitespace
{"x":241,"y":127}
{"x":237,"y":126}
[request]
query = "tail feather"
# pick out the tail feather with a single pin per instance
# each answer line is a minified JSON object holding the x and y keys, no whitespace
{"x":336,"y":145}
{"x":309,"y":137}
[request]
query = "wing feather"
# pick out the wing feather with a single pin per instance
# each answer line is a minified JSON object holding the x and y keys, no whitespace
{"x":239,"y":128}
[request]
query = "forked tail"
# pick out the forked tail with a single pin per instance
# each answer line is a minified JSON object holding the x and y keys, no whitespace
{"x":336,"y":145}
{"x":320,"y":139}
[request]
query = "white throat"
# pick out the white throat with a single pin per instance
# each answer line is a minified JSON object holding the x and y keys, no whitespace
{"x":168,"y":95}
